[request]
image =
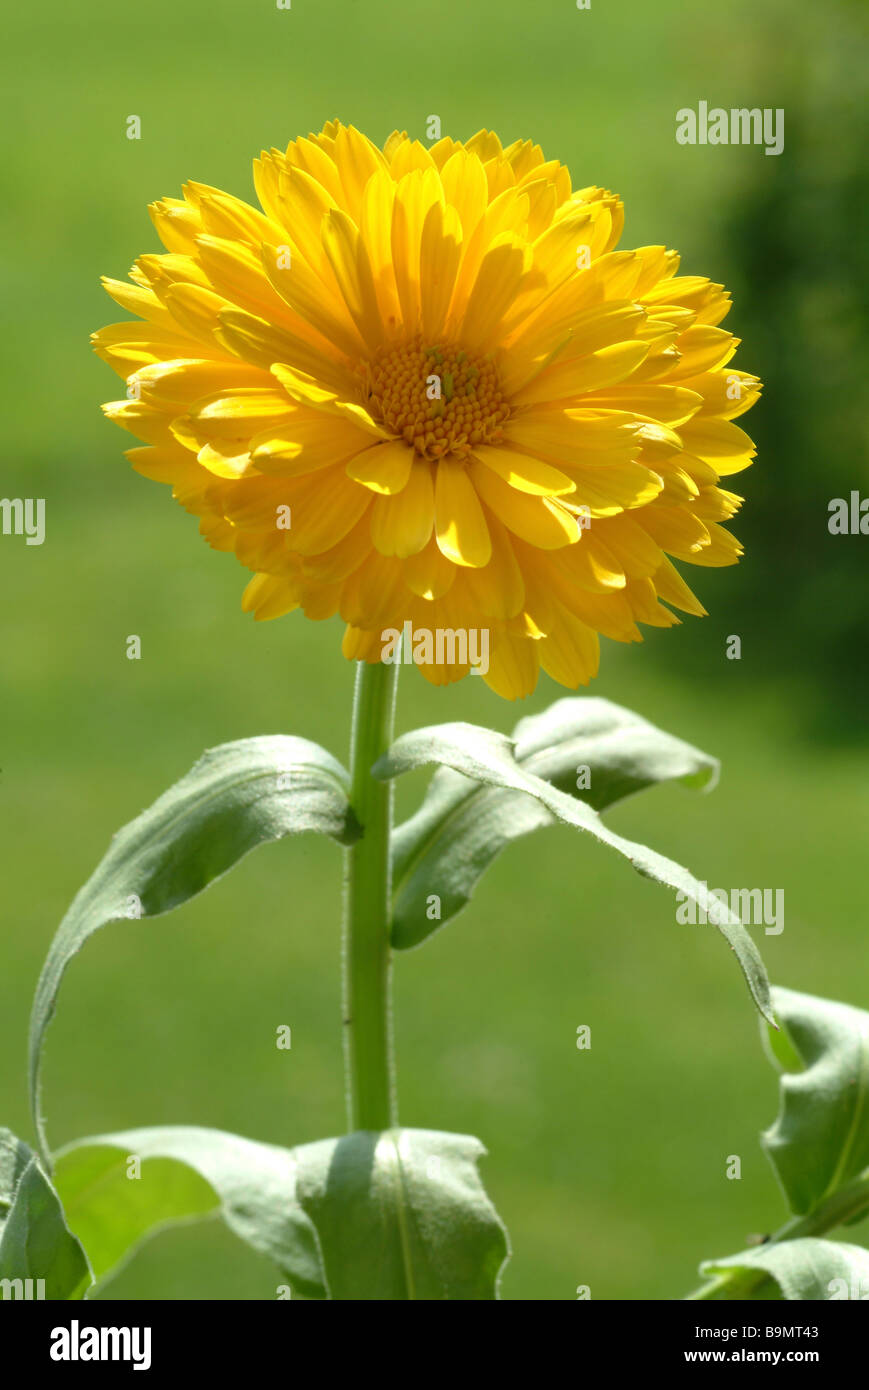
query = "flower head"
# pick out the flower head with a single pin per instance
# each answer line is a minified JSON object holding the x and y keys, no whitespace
{"x":421,"y":385}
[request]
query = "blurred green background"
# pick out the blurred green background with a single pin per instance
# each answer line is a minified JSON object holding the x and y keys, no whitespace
{"x":608,"y":1166}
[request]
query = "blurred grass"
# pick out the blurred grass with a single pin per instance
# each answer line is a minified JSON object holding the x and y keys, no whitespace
{"x":607,"y":1165}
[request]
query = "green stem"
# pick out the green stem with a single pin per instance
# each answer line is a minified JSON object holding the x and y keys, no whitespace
{"x":846,"y":1204}
{"x":368,"y":1043}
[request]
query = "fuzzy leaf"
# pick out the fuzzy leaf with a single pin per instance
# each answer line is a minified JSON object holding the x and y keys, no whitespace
{"x":820,"y":1140}
{"x":187,"y":1172}
{"x":237,"y":796}
{"x":462,"y":826}
{"x":488,"y":757}
{"x":35,"y":1241}
{"x":402,"y":1214}
{"x":802,"y":1269}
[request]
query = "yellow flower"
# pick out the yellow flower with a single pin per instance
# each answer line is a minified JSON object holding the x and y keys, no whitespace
{"x":422,"y":386}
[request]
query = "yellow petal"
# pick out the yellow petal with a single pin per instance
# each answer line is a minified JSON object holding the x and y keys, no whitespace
{"x":195,"y":309}
{"x":306,"y":441}
{"x":669,"y":405}
{"x":464,"y":184}
{"x":253,"y":339}
{"x":500,"y":275}
{"x":352,"y":269}
{"x":429,"y":574}
{"x":574,"y":437}
{"x":169,"y":463}
{"x":305,"y":201}
{"x":357,"y":159}
{"x":269,"y":597}
{"x":570,"y":652}
{"x":238,"y":414}
{"x":178,"y":223}
{"x":523,"y":472}
{"x":359,"y":645}
{"x":642,"y":598}
{"x":721,"y":442}
{"x":154,"y":426}
{"x":312,"y":159}
{"x":514,"y":665}
{"x":715,"y":504}
{"x":611,"y":488}
{"x":726,"y":393}
{"x":137,"y":299}
{"x":307,"y":391}
{"x":723,"y":548}
{"x":373,"y":596}
{"x":384,"y":468}
{"x":225,"y":216}
{"x":320,"y":304}
{"x":343,"y":559}
{"x":497,"y":589}
{"x":227,"y":459}
{"x":415,"y":194}
{"x":238,"y":270}
{"x":462,"y":533}
{"x":591,"y":565}
{"x":572,"y":378}
{"x":588,"y":331}
{"x":631,"y":548}
{"x":376,"y":228}
{"x":672,"y":587}
{"x":182,"y":381}
{"x":676,"y":530}
{"x":325,"y":507}
{"x":440,"y":251}
{"x":702,"y":349}
{"x":411,"y":156}
{"x":129,"y":346}
{"x":538,"y":520}
{"x":401,"y":524}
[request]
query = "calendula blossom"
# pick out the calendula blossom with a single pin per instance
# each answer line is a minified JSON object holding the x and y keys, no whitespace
{"x":422,"y":385}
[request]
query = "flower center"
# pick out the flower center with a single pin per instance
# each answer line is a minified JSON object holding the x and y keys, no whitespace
{"x":439,"y":400}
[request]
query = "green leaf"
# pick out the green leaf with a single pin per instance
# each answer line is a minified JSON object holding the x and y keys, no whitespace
{"x":187,"y":1172}
{"x":14,"y":1158}
{"x":35,"y":1241}
{"x":461,"y":826}
{"x":402,"y":1214}
{"x":238,"y":796}
{"x":803,"y":1269}
{"x":820,"y":1139}
{"x":488,"y":757}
